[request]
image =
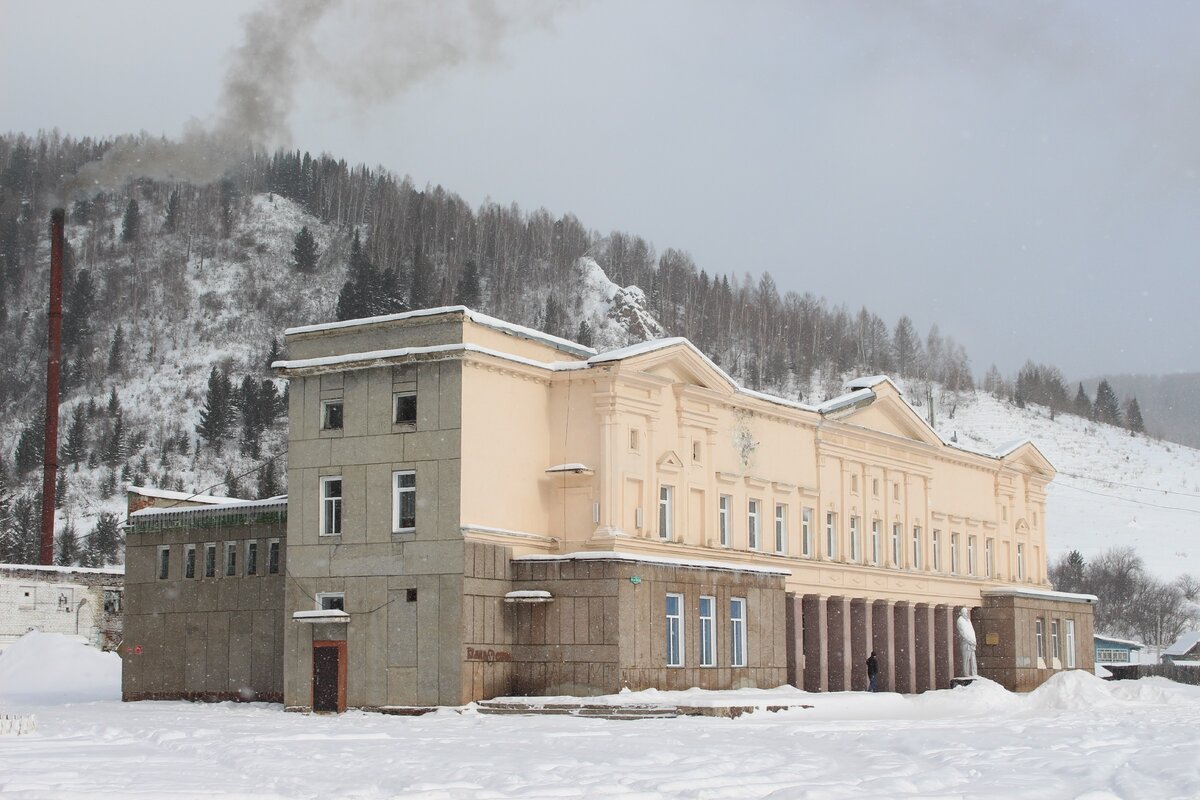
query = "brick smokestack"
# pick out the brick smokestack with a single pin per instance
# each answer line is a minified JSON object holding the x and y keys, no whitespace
{"x":53,"y":363}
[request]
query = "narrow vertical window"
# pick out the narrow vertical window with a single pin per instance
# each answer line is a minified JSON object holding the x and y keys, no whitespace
{"x":666,"y":496}
{"x":404,"y":500}
{"x":916,"y":554}
{"x":806,"y":532}
{"x":752,"y":519}
{"x":1055,"y":653}
{"x":723,"y":507}
{"x":252,"y":558}
{"x":953,"y":553}
{"x":1039,"y":634}
{"x":831,"y":548}
{"x":230,"y":559}
{"x":1070,"y":644}
{"x":708,"y":654}
{"x":970,"y":555}
{"x":780,"y":528}
{"x":875,"y":542}
{"x":989,"y":557}
{"x":189,"y":562}
{"x":404,"y":408}
{"x":674,"y":630}
{"x":634,"y":439}
{"x":164,"y":562}
{"x":936,"y":545}
{"x":875,"y":487}
{"x":697,"y":451}
{"x":331,"y":506}
{"x":273,"y":557}
{"x":854,"y":539}
{"x":210,"y":560}
{"x":1020,"y":562}
{"x":737,"y":632}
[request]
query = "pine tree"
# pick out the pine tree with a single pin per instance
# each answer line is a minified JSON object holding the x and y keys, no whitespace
{"x":906,"y":348}
{"x":104,"y":544}
{"x":131,"y":223}
{"x":114,"y":403}
{"x":273,"y":354}
{"x":584,"y":335}
{"x":60,"y":488}
{"x":116,"y":352}
{"x":232,"y":487}
{"x":268,"y":481}
{"x":469,"y":292}
{"x":1083,"y":404}
{"x":171,"y":220}
{"x":77,"y":316}
{"x":215,"y":418}
{"x":75,"y":443}
{"x":420,"y":292}
{"x":249,"y":405}
{"x":352,"y":300}
{"x":1107,"y":409}
{"x":67,"y":552}
{"x":29,"y":449}
{"x":1133,"y":417}
{"x":114,"y":444}
{"x":304,"y":251}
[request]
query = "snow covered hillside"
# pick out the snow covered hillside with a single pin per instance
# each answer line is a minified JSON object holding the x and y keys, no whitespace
{"x":1112,"y":489}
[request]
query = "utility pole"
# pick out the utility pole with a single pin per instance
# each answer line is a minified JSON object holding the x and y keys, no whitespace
{"x":53,"y":364}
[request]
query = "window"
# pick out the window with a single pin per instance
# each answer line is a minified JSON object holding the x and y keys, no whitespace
{"x":970,"y":555}
{"x":112,"y":601}
{"x":780,"y":528}
{"x":897,"y":555}
{"x":1103,"y":655}
{"x":989,"y":557}
{"x":954,"y":554}
{"x":875,"y":542}
{"x":404,"y":408}
{"x":708,"y":654}
{"x":916,"y":554}
{"x":273,"y":557}
{"x":737,"y":632}
{"x":210,"y":560}
{"x":634,"y":439}
{"x":1071,"y":644}
{"x":331,"y":506}
{"x":1020,"y":562}
{"x":404,"y":500}
{"x":936,"y":545}
{"x":331,"y":415}
{"x":1039,"y":626}
{"x":723,"y":515}
{"x":164,"y":562}
{"x":189,"y":561}
{"x":854,"y":539}
{"x":830,"y":535}
{"x":331,"y":601}
{"x":674,"y":630}
{"x":666,"y":498}
{"x":806,"y":532}
{"x":752,"y":517}
{"x":230,"y":559}
{"x":252,"y":558}
{"x":1055,"y":653}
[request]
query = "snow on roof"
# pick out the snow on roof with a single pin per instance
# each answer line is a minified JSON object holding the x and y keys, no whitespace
{"x":869,"y":381}
{"x":510,"y":328}
{"x":845,"y":400}
{"x":374,"y":357}
{"x":321,"y":615}
{"x":227,"y":504}
{"x":1184,"y":643}
{"x":1043,"y":594}
{"x":118,"y":570}
{"x":613,"y":555}
{"x":528,"y":596}
{"x":1115,"y":640}
{"x":573,"y":467}
{"x":167,"y":494}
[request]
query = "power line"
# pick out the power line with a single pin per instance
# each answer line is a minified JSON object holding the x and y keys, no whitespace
{"x":1129,"y":499}
{"x":1127,"y":485}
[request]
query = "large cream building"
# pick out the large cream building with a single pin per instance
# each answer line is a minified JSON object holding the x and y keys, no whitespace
{"x":479,"y":509}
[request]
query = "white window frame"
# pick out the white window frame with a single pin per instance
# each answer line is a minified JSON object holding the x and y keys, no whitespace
{"x":230,"y":566}
{"x":398,"y":493}
{"x":989,"y":557}
{"x":331,"y":507}
{"x":322,"y":596}
{"x":251,"y":565}
{"x":875,"y":525}
{"x":210,"y":548}
{"x":724,"y":505}
{"x":674,"y":630}
{"x":1055,"y":646}
{"x":162,"y":567}
{"x":806,"y":549}
{"x":1070,"y":644}
{"x":753,"y":518}
{"x":274,"y":547}
{"x":953,"y":553}
{"x":897,"y":545}
{"x":831,"y":535}
{"x":707,"y":632}
{"x":854,"y":538}
{"x":916,"y":543}
{"x":781,"y":528}
{"x":666,"y":509}
{"x":935,"y":545}
{"x":396,"y":397}
{"x":325,"y":406}
{"x":1020,"y":562}
{"x":189,"y":561}
{"x":737,"y":631}
{"x":971,"y":554}
{"x":1039,"y":627}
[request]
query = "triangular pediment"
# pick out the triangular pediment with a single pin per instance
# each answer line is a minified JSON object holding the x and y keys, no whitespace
{"x":1027,"y":455}
{"x":670,"y":460}
{"x":681,"y":363}
{"x":888,"y":413}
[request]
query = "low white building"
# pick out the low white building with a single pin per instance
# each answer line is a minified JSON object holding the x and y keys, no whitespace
{"x":73,"y":600}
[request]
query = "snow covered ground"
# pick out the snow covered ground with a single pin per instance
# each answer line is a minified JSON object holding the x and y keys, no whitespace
{"x":1076,"y":737}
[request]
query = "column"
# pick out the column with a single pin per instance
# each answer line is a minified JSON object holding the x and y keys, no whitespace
{"x":904,"y":647}
{"x":794,"y":622}
{"x":884,"y":643}
{"x":862,"y":636}
{"x":943,"y":640}
{"x":925,"y":651}
{"x":816,"y":637}
{"x":840,"y":660}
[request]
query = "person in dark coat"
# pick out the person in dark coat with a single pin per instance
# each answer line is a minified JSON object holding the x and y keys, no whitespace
{"x":872,"y":671}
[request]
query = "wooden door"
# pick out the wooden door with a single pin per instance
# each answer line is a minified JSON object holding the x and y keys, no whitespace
{"x":329,"y":676}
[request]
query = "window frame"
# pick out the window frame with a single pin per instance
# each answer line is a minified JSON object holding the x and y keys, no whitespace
{"x":897,"y":545}
{"x":707,"y":630}
{"x":398,"y":499}
{"x":917,"y":548}
{"x":935,"y":546}
{"x":1020,"y":562}
{"x":954,"y":537}
{"x":331,"y":506}
{"x":250,"y":559}
{"x":753,"y":523}
{"x":806,"y":548}
{"x":1040,"y":637}
{"x":1055,"y":645}
{"x":666,"y":512}
{"x":737,"y":632}
{"x":724,"y":508}
{"x":274,"y":559}
{"x":781,"y":528}
{"x":971,"y":561}
{"x":674,"y":630}
{"x":210,"y":559}
{"x":989,"y":557}
{"x":831,"y":543}
{"x":397,"y":396}
{"x":875,"y":549}
{"x":163,"y":566}
{"x":1071,"y":644}
{"x":327,"y":417}
{"x":231,"y":559}
{"x":322,"y":596}
{"x":189,"y":561}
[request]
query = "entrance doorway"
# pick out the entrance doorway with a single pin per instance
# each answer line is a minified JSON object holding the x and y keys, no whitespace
{"x":329,"y":676}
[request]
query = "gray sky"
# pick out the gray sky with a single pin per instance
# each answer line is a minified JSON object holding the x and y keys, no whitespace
{"x":1025,"y":175}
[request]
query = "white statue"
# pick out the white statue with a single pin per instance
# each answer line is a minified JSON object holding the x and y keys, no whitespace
{"x":966,"y":643}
